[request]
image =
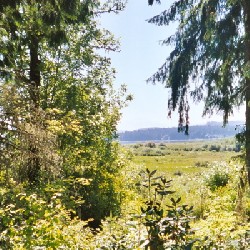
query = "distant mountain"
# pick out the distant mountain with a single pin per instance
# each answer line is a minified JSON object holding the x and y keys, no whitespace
{"x":209,"y":131}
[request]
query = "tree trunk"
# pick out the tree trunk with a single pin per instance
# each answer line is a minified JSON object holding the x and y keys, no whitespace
{"x":33,"y":170}
{"x":246,"y":6}
{"x":35,"y":77}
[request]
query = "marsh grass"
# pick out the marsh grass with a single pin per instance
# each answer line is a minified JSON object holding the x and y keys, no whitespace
{"x":183,"y":157}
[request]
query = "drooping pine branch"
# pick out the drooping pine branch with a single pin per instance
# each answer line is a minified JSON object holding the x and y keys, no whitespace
{"x":209,"y":49}
{"x":150,"y":2}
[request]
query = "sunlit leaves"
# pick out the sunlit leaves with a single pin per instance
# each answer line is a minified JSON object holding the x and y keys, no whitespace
{"x":31,"y":221}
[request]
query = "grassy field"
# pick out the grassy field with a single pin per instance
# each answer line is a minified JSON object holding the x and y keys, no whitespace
{"x":182,"y":157}
{"x":182,"y":162}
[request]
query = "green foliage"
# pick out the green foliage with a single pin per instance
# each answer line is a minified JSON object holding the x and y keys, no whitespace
{"x":48,"y":216}
{"x":219,"y":175}
{"x":212,"y":209}
{"x":201,"y":164}
{"x":150,"y":145}
{"x":163,"y":222}
{"x":148,"y":219}
{"x":23,"y":129}
{"x":222,"y":227}
{"x":177,"y":224}
{"x":59,"y":164}
{"x":154,"y":149}
{"x":242,"y":242}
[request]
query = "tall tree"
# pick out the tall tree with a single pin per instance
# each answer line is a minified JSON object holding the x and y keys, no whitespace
{"x":30,"y":33}
{"x":25,"y":26}
{"x":210,"y":60}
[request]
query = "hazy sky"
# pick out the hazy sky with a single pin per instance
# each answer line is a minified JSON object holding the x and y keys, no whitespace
{"x":141,"y":55}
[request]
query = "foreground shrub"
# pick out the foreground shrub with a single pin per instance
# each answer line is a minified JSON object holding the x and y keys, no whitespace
{"x":152,"y":216}
{"x":31,"y":222}
{"x":166,"y":228}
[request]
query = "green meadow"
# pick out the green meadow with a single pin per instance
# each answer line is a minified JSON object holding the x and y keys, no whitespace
{"x":183,"y":157}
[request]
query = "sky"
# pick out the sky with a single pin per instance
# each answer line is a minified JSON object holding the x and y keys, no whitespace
{"x":140,"y":56}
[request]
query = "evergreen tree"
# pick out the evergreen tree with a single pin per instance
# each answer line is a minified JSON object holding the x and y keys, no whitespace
{"x":210,"y":60}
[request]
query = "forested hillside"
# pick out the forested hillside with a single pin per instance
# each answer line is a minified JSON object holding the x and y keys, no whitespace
{"x":209,"y":131}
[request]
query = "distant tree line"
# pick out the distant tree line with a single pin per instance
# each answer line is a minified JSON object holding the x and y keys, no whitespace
{"x":208,"y":131}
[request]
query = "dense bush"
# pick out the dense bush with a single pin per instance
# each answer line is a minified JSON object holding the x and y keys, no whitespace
{"x":217,"y":177}
{"x":159,"y":225}
{"x":217,"y":180}
{"x":202,"y":164}
{"x":214,"y":148}
{"x":150,"y":145}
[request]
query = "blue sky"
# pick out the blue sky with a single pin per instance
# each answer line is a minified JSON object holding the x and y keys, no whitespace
{"x":141,"y":55}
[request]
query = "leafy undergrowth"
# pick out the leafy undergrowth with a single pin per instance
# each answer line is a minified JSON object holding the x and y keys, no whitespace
{"x":204,"y":212}
{"x":209,"y":209}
